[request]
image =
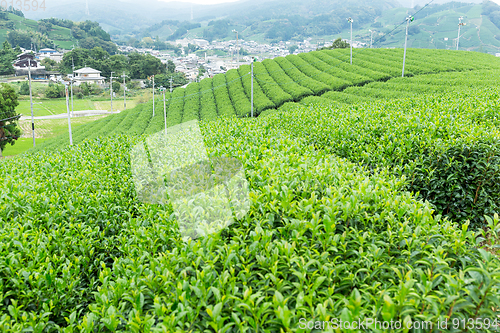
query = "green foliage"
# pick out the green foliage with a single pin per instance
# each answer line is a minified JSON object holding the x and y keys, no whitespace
{"x":7,"y":55}
{"x":219,"y":29}
{"x":54,"y":90}
{"x":338,"y":44}
{"x":447,"y":147}
{"x":116,"y":87}
{"x":9,"y":130}
{"x":293,"y":48}
{"x":18,"y":38}
{"x":25,"y":89}
{"x":49,"y":64}
{"x":324,"y":238}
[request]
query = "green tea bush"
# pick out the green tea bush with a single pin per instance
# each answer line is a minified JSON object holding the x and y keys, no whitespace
{"x":331,"y":80}
{"x":285,"y":82}
{"x":261,"y":100}
{"x":297,"y":76}
{"x":272,"y":89}
{"x":324,"y":238}
{"x":237,"y":93}
{"x":224,"y":105}
{"x":208,"y":108}
{"x":447,"y":146}
{"x":192,"y":103}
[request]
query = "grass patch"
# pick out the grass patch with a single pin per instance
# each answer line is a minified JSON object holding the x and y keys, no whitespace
{"x":44,"y":130}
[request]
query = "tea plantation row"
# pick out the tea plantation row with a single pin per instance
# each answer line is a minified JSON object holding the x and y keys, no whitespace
{"x":446,"y":146}
{"x":140,"y":120}
{"x":408,"y":87}
{"x":324,"y":238}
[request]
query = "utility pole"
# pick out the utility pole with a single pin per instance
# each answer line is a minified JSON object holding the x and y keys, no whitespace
{"x":460,"y":24}
{"x":153,"y":95}
{"x":251,"y":95}
{"x":408,"y":20}
{"x":111,"y":89}
{"x":237,"y":49}
{"x":73,"y":66}
{"x":371,"y":38}
{"x":350,"y":20}
{"x":170,"y":83}
{"x":162,"y":89}
{"x":31,"y":102}
{"x":124,"y":90}
{"x":69,"y":118}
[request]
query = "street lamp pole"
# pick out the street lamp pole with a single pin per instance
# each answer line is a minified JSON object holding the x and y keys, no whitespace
{"x":111,"y":90}
{"x":350,"y":20}
{"x":408,"y":20}
{"x":153,"y":95}
{"x":162,"y":89}
{"x":124,"y":90}
{"x":237,"y":49}
{"x":460,"y":24}
{"x":31,"y":102}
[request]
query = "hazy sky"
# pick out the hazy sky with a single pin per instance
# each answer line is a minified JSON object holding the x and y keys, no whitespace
{"x":210,"y":2}
{"x":206,"y":2}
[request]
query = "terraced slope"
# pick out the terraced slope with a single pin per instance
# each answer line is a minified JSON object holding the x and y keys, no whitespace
{"x":324,"y":237}
{"x":282,"y":80}
{"x":408,"y":87}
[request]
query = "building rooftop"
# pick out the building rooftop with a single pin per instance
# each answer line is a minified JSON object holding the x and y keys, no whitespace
{"x":87,"y":70}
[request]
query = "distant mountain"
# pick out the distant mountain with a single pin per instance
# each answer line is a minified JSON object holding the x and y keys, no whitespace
{"x":129,"y":16}
{"x":66,"y":34}
{"x":293,"y":20}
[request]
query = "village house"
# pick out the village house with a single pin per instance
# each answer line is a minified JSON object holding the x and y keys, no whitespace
{"x":26,"y":63}
{"x":88,"y":75}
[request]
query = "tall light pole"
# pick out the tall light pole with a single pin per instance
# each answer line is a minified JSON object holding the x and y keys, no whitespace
{"x":73,"y":66}
{"x":251,"y":94}
{"x":460,"y":24}
{"x":69,"y":117}
{"x":111,"y":90}
{"x":350,"y":20}
{"x":371,"y":38}
{"x":153,"y":95}
{"x":162,"y":89}
{"x":408,"y":20}
{"x":31,"y":102}
{"x":124,"y":90}
{"x":237,"y":49}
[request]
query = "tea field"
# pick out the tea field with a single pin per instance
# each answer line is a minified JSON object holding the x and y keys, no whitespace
{"x":315,"y":77}
{"x":363,"y":206}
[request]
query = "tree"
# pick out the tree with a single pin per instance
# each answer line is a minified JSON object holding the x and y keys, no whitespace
{"x":178,"y":79}
{"x":293,"y":48}
{"x":6,"y":57}
{"x":170,"y":66}
{"x":9,"y":129}
{"x":116,"y":87}
{"x":25,"y":89}
{"x":19,"y":38}
{"x":49,"y":64}
{"x":338,"y":44}
{"x":54,"y":90}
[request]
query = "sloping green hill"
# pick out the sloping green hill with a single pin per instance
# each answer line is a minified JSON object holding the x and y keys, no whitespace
{"x":331,"y":231}
{"x":61,"y":36}
{"x":279,"y":81}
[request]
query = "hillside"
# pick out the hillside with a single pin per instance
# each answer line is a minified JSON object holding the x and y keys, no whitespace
{"x":336,"y":226}
{"x":279,"y":20}
{"x":61,"y":36}
{"x":52,"y":32}
{"x":321,"y":73}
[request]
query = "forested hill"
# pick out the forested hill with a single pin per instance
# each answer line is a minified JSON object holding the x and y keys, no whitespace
{"x":62,"y":33}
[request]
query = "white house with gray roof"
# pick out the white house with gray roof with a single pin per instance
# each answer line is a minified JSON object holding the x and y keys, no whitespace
{"x":88,"y":75}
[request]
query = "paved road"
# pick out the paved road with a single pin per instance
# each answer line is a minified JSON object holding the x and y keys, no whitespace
{"x":85,"y":113}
